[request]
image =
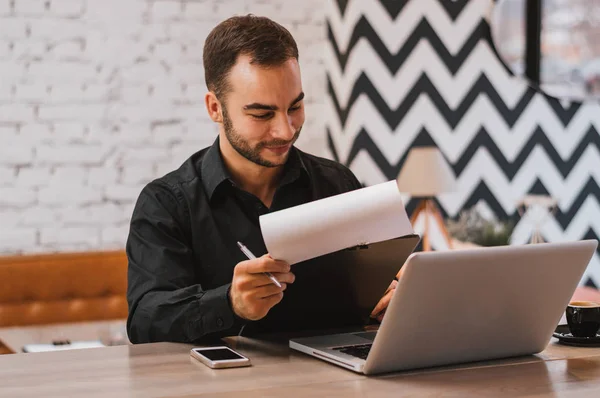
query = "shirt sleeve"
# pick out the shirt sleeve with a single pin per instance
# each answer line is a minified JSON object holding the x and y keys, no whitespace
{"x":352,"y":180}
{"x":166,"y":302}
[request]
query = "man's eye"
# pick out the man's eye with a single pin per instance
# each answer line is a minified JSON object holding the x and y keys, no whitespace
{"x":294,"y":108}
{"x":261,"y":116}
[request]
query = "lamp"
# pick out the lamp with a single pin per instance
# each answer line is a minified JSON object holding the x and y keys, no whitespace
{"x":536,"y":209}
{"x":426,"y":174}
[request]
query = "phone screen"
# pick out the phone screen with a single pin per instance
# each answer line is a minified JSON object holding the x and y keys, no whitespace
{"x":218,"y":354}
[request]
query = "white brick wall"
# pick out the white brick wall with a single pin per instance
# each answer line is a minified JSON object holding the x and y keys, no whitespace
{"x":5,"y":7}
{"x":67,"y":8}
{"x":30,"y":7}
{"x":98,"y":97}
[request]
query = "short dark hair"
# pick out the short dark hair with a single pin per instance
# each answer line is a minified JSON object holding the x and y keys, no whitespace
{"x":265,"y":41}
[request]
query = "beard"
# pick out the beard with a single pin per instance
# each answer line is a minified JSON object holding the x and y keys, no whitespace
{"x":243,"y":147}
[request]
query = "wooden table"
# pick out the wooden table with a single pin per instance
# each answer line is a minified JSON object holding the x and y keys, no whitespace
{"x":166,"y":369}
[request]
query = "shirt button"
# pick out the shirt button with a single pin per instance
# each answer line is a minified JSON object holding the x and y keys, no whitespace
{"x":220,"y":322}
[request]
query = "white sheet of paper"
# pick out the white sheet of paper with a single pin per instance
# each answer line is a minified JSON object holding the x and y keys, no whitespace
{"x":63,"y":347}
{"x":368,"y":215}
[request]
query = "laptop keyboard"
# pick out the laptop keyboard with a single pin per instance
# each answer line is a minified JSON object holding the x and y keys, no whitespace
{"x":360,"y":351}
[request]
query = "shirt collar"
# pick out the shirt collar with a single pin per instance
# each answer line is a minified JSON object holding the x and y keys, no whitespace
{"x":214,"y":172}
{"x":213,"y":169}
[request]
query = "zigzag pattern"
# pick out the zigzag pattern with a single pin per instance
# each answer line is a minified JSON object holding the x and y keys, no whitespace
{"x":393,"y":32}
{"x":423,"y":85}
{"x":394,"y":7}
{"x":481,"y":140}
{"x":579,"y":228}
{"x":537,"y":140}
{"x":396,"y":60}
{"x":454,"y":140}
{"x":422,"y":60}
{"x":436,"y":80}
{"x":505,"y":191}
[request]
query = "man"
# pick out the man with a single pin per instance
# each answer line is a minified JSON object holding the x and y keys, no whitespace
{"x":187,"y":279}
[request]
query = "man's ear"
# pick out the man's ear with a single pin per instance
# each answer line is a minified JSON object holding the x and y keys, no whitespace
{"x":213,"y":107}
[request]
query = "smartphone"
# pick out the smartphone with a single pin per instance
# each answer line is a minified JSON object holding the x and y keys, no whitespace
{"x":220,"y":357}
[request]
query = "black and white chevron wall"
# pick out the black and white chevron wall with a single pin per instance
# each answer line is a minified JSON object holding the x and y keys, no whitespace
{"x":402,"y":73}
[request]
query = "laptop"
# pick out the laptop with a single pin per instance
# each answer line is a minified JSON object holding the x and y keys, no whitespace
{"x":462,"y":306}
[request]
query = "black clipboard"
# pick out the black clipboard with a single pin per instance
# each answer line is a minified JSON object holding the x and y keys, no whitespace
{"x":339,"y":289}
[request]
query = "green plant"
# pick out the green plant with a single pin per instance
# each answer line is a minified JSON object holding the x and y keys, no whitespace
{"x":471,"y":226}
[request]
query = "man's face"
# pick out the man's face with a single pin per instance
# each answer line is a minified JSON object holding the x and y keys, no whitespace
{"x":263,"y":111}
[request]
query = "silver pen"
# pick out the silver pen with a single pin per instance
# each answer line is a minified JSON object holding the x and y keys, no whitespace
{"x":251,"y":256}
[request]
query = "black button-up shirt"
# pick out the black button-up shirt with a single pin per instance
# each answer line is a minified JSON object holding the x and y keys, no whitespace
{"x":182,"y":250}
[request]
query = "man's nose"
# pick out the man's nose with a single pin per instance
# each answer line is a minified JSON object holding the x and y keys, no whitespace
{"x":284,"y":129}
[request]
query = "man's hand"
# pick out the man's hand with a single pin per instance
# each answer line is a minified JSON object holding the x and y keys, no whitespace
{"x":252,"y":293}
{"x":379,"y":310}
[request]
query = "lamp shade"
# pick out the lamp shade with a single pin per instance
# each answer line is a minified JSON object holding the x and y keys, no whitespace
{"x":426,"y":173}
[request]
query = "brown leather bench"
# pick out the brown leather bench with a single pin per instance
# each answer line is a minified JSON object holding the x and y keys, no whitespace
{"x":61,"y":288}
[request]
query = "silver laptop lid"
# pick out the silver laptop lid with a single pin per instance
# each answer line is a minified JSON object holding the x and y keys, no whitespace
{"x":468,"y":305}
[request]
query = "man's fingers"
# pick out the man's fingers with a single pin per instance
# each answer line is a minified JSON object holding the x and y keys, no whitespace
{"x":385,"y":300}
{"x":379,"y":309}
{"x":252,"y":292}
{"x":267,"y":264}
{"x":287,"y":277}
{"x":382,"y":304}
{"x":392,"y":286}
{"x":260,"y":265}
{"x":264,"y":280}
{"x":267,"y":291}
